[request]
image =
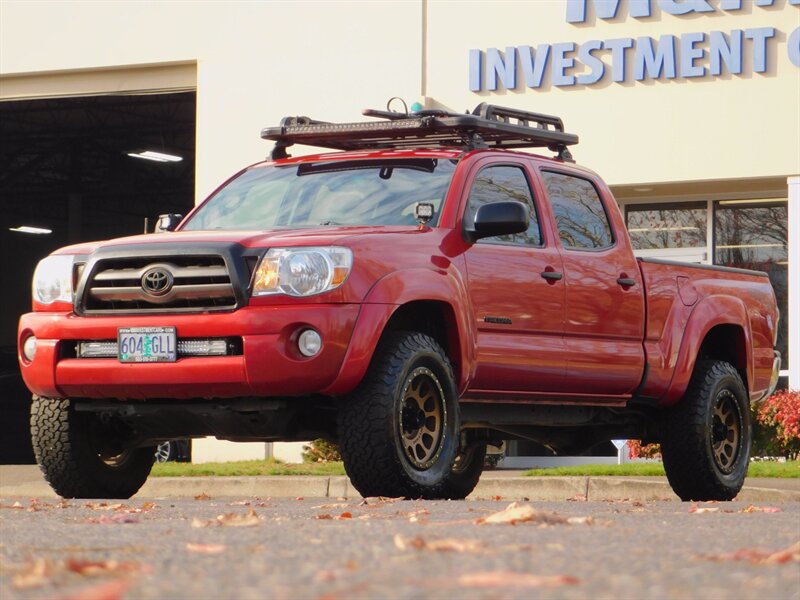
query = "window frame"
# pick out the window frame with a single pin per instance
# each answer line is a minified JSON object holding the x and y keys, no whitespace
{"x":557,"y":231}
{"x":536,"y":211}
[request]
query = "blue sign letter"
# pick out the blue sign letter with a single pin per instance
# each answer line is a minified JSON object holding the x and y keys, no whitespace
{"x":475,"y":70}
{"x":605,"y":9}
{"x":618,"y":48}
{"x":793,"y":45}
{"x":759,"y":35}
{"x":533,"y":66}
{"x":507,"y":70}
{"x":596,"y":65}
{"x":560,"y":63}
{"x":674,"y":7}
{"x":656,"y":63}
{"x":689,"y":54}
{"x":726,"y":51}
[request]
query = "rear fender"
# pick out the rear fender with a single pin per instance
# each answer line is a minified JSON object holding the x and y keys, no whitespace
{"x":709,"y":313}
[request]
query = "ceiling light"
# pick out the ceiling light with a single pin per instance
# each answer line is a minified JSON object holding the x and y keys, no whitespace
{"x":156,"y":156}
{"x":29,"y":229}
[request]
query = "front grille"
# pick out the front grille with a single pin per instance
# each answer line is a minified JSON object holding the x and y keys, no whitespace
{"x":164,"y":284}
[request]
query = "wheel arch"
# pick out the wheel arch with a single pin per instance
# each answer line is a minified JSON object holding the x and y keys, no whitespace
{"x":717,"y":329}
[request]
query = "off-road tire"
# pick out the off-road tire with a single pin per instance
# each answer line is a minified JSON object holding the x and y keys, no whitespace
{"x":370,"y":420}
{"x":466,"y":472}
{"x":62,"y":443}
{"x":692,"y":466}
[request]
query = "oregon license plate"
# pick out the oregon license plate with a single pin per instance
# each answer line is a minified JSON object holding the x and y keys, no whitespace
{"x":146,"y":344}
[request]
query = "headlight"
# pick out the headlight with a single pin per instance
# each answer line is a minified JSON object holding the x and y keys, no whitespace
{"x":52,"y":280}
{"x":302,"y":271}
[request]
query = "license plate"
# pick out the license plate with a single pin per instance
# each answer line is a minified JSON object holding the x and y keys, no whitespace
{"x":146,"y":344}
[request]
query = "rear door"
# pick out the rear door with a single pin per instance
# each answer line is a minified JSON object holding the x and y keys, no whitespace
{"x":519,"y":312}
{"x":604,"y":318}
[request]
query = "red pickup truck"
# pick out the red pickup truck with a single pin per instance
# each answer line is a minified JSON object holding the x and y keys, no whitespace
{"x":419,"y":294}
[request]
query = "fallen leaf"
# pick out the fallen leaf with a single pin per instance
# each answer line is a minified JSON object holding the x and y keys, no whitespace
{"x":206,"y":548}
{"x":110,"y":590}
{"x":578,"y":498}
{"x":331,"y":506}
{"x":379,"y":501}
{"x":94,"y":568}
{"x":580,"y":520}
{"x":118,"y":519}
{"x":764,"y":509}
{"x":239,"y":503}
{"x":35,"y":573}
{"x":345,"y":515}
{"x":248,"y":519}
{"x":497,"y":498}
{"x":299,"y":498}
{"x":702,"y":509}
{"x":759,"y":555}
{"x":495,"y":579}
{"x":202,"y":496}
{"x":324,"y":517}
{"x":522,"y":513}
{"x":443,"y":545}
{"x":105,"y":506}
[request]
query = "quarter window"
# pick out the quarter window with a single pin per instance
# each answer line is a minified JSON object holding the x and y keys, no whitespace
{"x":581,"y":219}
{"x":504,"y":183}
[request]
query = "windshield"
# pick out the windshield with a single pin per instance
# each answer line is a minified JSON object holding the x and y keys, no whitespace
{"x":360,"y":192}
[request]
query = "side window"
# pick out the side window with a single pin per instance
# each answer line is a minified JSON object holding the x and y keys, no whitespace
{"x":581,"y":219}
{"x":502,"y":184}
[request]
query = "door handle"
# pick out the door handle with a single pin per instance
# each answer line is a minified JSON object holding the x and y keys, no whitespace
{"x":626,"y":281}
{"x":551,"y":275}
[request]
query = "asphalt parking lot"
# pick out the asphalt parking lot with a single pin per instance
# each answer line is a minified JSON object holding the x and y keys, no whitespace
{"x":324,"y":549}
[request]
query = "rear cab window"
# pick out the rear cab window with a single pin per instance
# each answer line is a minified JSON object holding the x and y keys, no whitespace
{"x":580,"y":215}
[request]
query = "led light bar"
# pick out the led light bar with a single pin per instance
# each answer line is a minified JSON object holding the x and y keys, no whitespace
{"x":155,"y":156}
{"x":31,"y":229}
{"x":189,"y":347}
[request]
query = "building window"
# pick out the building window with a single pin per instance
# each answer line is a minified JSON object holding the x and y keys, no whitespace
{"x":661,"y":226}
{"x":753,"y":235}
{"x":581,"y":219}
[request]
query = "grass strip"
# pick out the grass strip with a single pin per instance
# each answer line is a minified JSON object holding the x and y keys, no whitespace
{"x":269,"y":466}
{"x":786,"y":470}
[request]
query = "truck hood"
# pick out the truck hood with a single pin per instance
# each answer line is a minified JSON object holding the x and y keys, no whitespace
{"x":320,"y":236}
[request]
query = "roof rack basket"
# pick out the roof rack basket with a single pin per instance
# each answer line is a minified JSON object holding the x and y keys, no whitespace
{"x":488,"y":126}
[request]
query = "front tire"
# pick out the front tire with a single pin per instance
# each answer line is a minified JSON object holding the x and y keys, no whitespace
{"x":71,"y":449}
{"x":398,"y":430}
{"x":707,"y":437}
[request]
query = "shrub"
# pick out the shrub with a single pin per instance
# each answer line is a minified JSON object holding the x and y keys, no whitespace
{"x":636,"y":450}
{"x":321,"y":451}
{"x":777,"y":425}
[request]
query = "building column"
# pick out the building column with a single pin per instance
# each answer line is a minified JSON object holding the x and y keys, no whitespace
{"x":794,"y":283}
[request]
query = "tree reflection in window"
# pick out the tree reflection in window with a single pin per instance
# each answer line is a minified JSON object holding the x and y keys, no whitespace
{"x":582,"y":222}
{"x":654,"y":226}
{"x":503,"y":184}
{"x":756,"y":237}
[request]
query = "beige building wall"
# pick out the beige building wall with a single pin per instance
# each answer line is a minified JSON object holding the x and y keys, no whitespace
{"x":636,"y":132}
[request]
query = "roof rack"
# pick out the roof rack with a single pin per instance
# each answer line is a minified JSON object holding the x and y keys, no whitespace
{"x":488,"y":126}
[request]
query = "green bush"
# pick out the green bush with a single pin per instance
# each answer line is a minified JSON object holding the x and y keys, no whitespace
{"x":321,"y":451}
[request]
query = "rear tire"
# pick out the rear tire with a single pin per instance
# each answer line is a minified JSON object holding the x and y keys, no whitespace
{"x":466,"y":472}
{"x":707,"y":437}
{"x":398,"y":431}
{"x":68,"y":446}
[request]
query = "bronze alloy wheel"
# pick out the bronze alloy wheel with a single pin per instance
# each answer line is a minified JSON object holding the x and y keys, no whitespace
{"x":423,"y":417}
{"x":726,"y":431}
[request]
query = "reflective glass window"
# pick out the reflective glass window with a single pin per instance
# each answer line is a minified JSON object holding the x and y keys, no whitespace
{"x":503,"y":183}
{"x":754,"y":236}
{"x":659,"y":226}
{"x":581,"y":219}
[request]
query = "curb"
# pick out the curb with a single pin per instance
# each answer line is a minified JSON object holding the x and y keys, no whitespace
{"x":512,"y":488}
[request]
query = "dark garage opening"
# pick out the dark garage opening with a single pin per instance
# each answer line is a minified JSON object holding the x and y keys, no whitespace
{"x":65,"y":167}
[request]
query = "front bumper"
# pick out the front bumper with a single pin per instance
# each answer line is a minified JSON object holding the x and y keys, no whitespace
{"x":269,"y":364}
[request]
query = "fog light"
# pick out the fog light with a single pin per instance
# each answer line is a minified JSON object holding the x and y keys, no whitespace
{"x":309,"y":343}
{"x":29,"y":348}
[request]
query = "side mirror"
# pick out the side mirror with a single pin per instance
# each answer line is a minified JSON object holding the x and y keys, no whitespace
{"x":499,"y":218}
{"x":168,"y":222}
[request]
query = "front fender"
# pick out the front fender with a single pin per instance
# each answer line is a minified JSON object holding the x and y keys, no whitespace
{"x":392,"y":291}
{"x":710,"y":312}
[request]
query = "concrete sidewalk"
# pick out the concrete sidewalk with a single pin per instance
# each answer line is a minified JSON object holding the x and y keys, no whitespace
{"x":26,"y":481}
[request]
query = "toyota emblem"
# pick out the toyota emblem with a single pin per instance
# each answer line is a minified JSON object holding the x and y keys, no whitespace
{"x":157,"y":281}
